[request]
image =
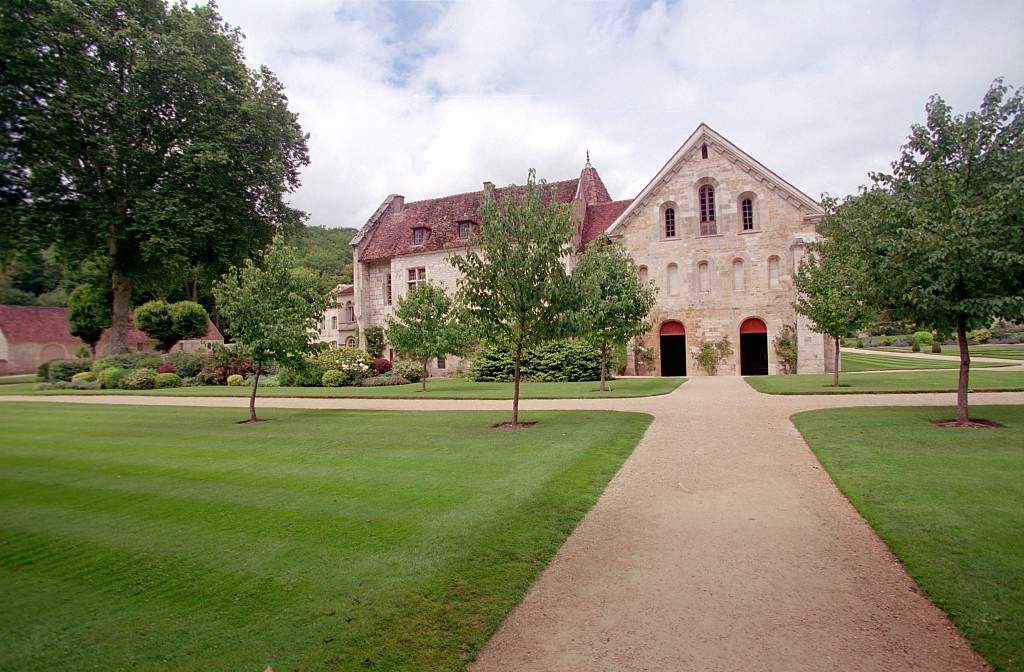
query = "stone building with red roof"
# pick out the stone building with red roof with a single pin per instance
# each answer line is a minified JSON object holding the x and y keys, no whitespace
{"x":31,"y":335}
{"x":718,"y":234}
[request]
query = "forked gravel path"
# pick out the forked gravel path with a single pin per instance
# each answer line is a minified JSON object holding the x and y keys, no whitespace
{"x":721,"y":544}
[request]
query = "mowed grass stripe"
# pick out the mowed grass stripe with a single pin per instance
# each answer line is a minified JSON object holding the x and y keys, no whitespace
{"x":854,"y":361}
{"x":173,"y":538}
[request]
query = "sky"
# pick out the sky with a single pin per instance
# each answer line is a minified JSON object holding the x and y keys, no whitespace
{"x":425,"y":99}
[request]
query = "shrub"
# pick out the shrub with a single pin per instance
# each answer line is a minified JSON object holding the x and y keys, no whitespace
{"x":923,"y":337}
{"x":225,"y":362}
{"x":44,"y":386}
{"x":83,"y":384}
{"x":409,"y":370}
{"x":112,"y":378}
{"x":381,"y":365}
{"x":132,"y":360}
{"x":334,"y":378}
{"x":236,"y":380}
{"x":140,"y":379}
{"x":84,"y":377}
{"x":353,"y":363}
{"x":859,"y":343}
{"x":558,"y":361}
{"x":204,"y":378}
{"x":489,"y":365}
{"x":711,"y":353}
{"x":167,"y":367}
{"x":307,"y":374}
{"x":186,"y":363}
{"x":375,"y":341}
{"x":167,"y":379}
{"x":915,"y":345}
{"x":61,"y":370}
{"x":190,"y":381}
{"x":1009,"y":340}
{"x":785,"y":344}
{"x":377,"y":381}
{"x":979,"y":335}
{"x":43,"y":371}
{"x":936,"y":346}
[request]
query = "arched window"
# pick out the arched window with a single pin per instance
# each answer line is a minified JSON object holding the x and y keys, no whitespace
{"x":773,"y":272}
{"x":641,"y":273}
{"x":350,"y":342}
{"x":350,"y":312}
{"x":704,"y":151}
{"x":747,"y":214}
{"x":334,"y":322}
{"x":703,"y":277}
{"x":706,"y":196}
{"x":670,"y":223}
{"x":672,"y":280}
{"x":737,"y":275}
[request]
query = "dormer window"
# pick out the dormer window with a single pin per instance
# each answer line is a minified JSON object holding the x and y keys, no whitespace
{"x":465,"y":230}
{"x":419,"y":235}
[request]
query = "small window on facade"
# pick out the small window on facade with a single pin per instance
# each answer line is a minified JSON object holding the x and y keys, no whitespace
{"x":773,"y":272}
{"x":703,"y":277}
{"x":350,"y":342}
{"x":387,"y":291}
{"x":465,"y":229}
{"x":334,"y":322}
{"x":708,"y":227}
{"x":440,"y":362}
{"x":642,"y":274}
{"x":138,"y":347}
{"x":670,"y":223}
{"x":416,"y":276}
{"x":419,"y":235}
{"x":747,"y":209}
{"x":672,"y":280}
{"x":704,"y":151}
{"x":350,"y":312}
{"x":737,"y":275}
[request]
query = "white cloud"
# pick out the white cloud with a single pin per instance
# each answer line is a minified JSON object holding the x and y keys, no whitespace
{"x":426,"y":99}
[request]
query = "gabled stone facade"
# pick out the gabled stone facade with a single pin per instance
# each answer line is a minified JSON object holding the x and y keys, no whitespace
{"x":732,"y":273}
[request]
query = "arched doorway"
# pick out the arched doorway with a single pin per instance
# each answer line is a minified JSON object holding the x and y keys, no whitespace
{"x":753,"y":347}
{"x":673,"y":349}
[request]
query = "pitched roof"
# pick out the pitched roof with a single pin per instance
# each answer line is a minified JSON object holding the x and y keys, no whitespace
{"x":46,"y":324}
{"x":391,"y":235}
{"x":591,"y":189}
{"x":343,"y":289}
{"x":599,"y":217}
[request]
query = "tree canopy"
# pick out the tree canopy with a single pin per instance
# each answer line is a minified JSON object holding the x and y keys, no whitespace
{"x":168,"y":323}
{"x":89,"y":313}
{"x":613,"y":302}
{"x":426,"y":326}
{"x":514,"y":284}
{"x":136,"y":136}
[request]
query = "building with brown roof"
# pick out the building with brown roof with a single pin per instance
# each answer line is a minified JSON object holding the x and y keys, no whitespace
{"x":31,"y":335}
{"x":719,"y":234}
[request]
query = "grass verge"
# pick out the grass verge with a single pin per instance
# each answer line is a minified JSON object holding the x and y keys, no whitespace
{"x":854,"y":362}
{"x":440,"y":388}
{"x":173,"y":538}
{"x":895,"y":382}
{"x":948,"y":504}
{"x":1008,"y":351}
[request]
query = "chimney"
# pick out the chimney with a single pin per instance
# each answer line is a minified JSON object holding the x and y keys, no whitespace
{"x":489,"y":189}
{"x":397,"y":202}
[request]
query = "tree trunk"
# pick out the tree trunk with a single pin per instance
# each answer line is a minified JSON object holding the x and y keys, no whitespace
{"x":252,"y":395}
{"x":92,"y":349}
{"x":423,"y":380}
{"x":835,"y":372}
{"x":604,"y":356}
{"x":120,"y":321}
{"x":965,"y":369}
{"x":515,"y":385}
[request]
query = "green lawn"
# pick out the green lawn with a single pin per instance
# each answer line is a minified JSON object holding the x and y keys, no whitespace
{"x":439,"y":388}
{"x":899,"y":381}
{"x":1012,"y":351}
{"x":948,"y":504}
{"x":853,"y":362}
{"x":17,"y":379}
{"x":163,"y":538}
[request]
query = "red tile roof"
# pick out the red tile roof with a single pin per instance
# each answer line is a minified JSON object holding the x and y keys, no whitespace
{"x":39,"y":324}
{"x":591,"y":188}
{"x":599,"y":217}
{"x":343,"y":290}
{"x":393,"y":234}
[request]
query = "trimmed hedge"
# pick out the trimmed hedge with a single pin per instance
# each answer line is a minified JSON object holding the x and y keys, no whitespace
{"x":132,"y":360}
{"x":558,"y":361}
{"x":62,"y":370}
{"x":140,"y":379}
{"x":112,"y":378}
{"x":409,"y":370}
{"x":164,"y":380}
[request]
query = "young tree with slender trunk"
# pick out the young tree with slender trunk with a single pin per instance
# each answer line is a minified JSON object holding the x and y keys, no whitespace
{"x":426,"y":326}
{"x":942,"y":236}
{"x":89,"y":314}
{"x":614,"y":303}
{"x":273,"y":309}
{"x":514,"y":285}
{"x":135,"y":136}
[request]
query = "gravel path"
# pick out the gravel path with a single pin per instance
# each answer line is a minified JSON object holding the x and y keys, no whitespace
{"x":721,"y":544}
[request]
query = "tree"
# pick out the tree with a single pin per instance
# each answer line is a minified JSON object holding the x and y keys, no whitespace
{"x":89,"y":314}
{"x":514,"y":285}
{"x":273,"y":308}
{"x":831,"y":286}
{"x":426,"y":326}
{"x":168,"y":323}
{"x":942,"y":236}
{"x":614,"y":303}
{"x":135,"y":136}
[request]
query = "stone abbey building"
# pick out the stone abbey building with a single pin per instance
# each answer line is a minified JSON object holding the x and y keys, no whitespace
{"x":719,"y":234}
